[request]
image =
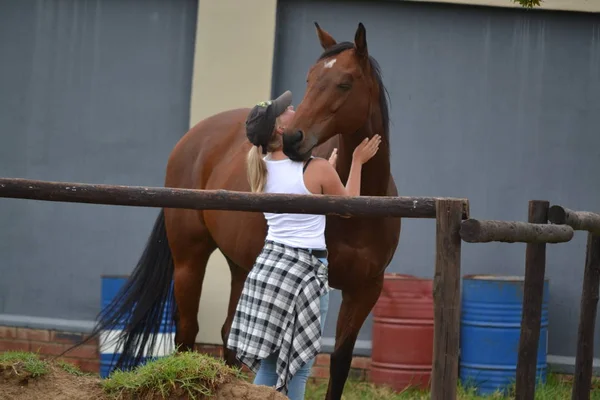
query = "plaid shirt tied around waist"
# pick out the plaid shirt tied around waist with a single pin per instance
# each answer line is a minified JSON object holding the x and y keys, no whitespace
{"x":279,"y":309}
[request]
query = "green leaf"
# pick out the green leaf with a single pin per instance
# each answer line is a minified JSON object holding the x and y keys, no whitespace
{"x":528,"y":3}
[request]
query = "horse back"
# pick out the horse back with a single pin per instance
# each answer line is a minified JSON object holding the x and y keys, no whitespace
{"x":210,"y":152}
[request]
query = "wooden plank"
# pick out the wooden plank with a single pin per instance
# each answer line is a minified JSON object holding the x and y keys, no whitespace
{"x":578,"y":220}
{"x":484,"y":231}
{"x":582,"y":382}
{"x":139,"y":196}
{"x":535,"y":268}
{"x":446,"y":295}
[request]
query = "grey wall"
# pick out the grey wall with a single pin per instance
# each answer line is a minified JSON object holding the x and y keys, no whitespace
{"x":500,"y":106}
{"x":90,"y":91}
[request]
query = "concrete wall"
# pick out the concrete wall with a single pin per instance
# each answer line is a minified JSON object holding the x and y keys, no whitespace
{"x":497,"y":105}
{"x":94,"y":92}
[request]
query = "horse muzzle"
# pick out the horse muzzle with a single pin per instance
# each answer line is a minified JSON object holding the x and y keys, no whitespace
{"x":292,"y":144}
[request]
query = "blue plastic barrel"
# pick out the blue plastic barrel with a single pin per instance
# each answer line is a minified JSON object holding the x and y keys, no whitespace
{"x":109,"y":353}
{"x":490,"y":329}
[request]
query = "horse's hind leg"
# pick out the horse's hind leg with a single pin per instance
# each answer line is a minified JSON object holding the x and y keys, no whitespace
{"x":191,"y":246}
{"x":356,"y":306}
{"x":238,"y":276}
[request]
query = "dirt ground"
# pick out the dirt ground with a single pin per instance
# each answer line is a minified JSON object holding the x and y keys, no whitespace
{"x":16,"y":384}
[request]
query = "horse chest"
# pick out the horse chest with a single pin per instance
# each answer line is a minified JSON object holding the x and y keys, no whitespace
{"x":349,"y":267}
{"x":359,"y":252}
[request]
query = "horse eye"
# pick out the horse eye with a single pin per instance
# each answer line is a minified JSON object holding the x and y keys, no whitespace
{"x":345,"y":86}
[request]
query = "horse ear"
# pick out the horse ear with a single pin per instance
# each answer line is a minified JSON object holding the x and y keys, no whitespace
{"x":325,"y":38}
{"x":360,"y":41}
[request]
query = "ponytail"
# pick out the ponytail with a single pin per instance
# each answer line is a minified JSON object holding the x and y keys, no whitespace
{"x":257,"y":169}
{"x":256,"y":166}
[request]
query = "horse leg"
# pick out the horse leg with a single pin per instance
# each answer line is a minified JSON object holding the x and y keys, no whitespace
{"x":356,"y":306}
{"x":188,"y":279}
{"x":191,"y":246}
{"x":238,"y":277}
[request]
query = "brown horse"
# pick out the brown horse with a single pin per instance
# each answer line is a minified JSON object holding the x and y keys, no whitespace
{"x":345,"y":101}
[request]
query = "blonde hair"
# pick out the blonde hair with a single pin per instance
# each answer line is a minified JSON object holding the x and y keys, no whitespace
{"x":256,"y":166}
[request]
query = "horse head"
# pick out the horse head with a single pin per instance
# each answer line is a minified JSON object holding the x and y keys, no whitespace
{"x":341,"y":88}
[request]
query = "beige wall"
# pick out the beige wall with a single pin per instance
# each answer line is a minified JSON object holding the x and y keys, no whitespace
{"x":563,"y":5}
{"x":230,"y":34}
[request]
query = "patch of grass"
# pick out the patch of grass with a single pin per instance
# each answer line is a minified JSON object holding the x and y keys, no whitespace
{"x":24,"y":361}
{"x":34,"y":365}
{"x":71,"y":368}
{"x":188,"y":373}
{"x":554,"y":389}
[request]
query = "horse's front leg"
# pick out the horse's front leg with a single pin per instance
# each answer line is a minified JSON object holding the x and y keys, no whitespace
{"x":356,"y":306}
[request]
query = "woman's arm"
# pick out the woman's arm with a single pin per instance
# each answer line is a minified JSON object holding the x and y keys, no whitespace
{"x":330,"y":181}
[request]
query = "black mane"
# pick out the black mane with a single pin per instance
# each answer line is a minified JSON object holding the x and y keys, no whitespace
{"x":383,"y":93}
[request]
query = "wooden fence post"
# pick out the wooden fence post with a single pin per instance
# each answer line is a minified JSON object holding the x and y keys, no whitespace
{"x":582,"y":383}
{"x":536,"y":233}
{"x":446,"y":295}
{"x":584,"y":221}
{"x":535,"y":268}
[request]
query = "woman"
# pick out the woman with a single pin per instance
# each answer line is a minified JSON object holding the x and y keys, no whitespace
{"x":281,"y":313}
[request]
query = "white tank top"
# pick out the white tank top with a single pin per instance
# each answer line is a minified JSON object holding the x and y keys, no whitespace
{"x":295,"y":230}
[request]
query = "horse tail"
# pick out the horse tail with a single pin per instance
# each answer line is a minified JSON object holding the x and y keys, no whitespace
{"x":139,"y":307}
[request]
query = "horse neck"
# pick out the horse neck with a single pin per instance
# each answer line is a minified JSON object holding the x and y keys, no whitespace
{"x":376,"y":172}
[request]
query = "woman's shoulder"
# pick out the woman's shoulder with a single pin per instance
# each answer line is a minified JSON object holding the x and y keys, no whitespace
{"x":318,"y":163}
{"x":315,"y":159}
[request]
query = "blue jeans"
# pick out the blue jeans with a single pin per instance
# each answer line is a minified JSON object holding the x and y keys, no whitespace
{"x":267,"y":374}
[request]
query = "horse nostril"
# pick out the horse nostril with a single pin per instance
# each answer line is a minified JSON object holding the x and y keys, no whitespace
{"x":297,"y":136}
{"x":292,"y":139}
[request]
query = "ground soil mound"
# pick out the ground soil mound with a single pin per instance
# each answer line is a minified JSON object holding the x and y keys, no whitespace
{"x":57,"y":384}
{"x":16,"y":383}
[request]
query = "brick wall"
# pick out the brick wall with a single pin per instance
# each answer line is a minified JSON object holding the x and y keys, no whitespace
{"x":359,"y":368}
{"x":51,"y":343}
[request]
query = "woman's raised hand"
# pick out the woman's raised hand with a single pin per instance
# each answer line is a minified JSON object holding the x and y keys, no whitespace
{"x":333,"y":158}
{"x":366,"y":149}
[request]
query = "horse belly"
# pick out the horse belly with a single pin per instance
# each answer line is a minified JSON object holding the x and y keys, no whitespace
{"x":238,"y":235}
